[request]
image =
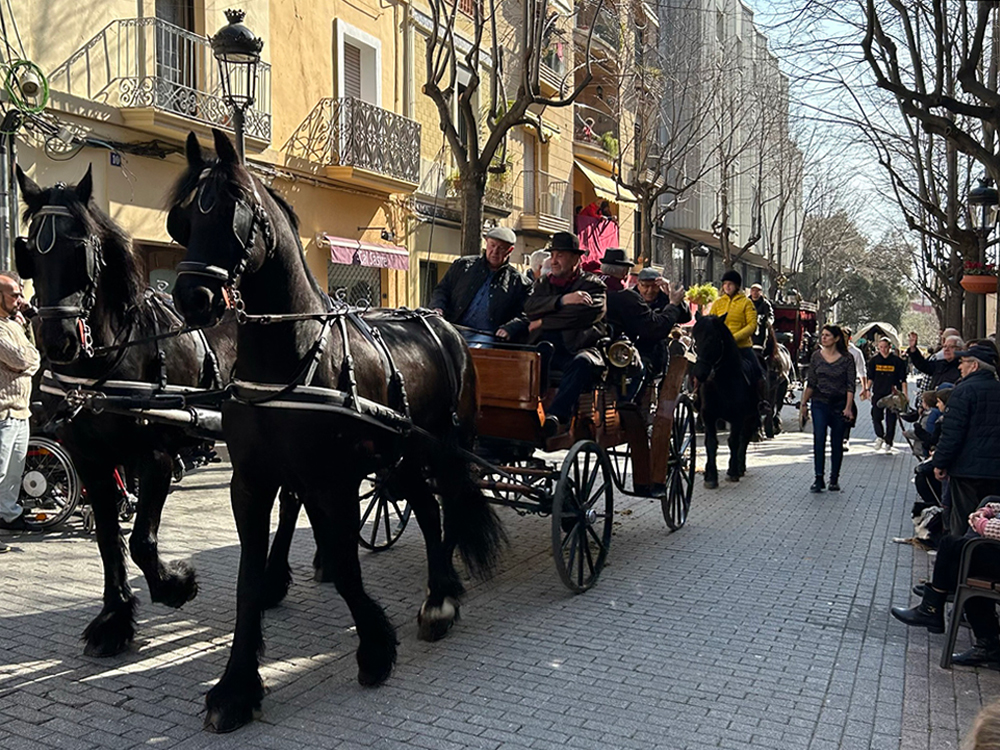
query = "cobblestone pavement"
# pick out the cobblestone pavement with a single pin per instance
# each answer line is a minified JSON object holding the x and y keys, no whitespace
{"x":762,"y":624}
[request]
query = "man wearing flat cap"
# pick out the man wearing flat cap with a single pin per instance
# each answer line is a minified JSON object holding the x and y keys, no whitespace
{"x":969,"y":445}
{"x":482,"y":292}
{"x":567,"y":308}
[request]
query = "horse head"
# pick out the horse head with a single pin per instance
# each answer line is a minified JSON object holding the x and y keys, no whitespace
{"x":220,"y":213}
{"x":712,"y":339}
{"x":64,"y":255}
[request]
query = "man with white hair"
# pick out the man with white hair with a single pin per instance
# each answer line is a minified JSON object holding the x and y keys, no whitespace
{"x":537,"y":264}
{"x":941,"y":369}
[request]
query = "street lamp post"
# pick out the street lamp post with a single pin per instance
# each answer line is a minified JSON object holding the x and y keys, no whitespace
{"x":983,"y":200}
{"x":237,"y":51}
{"x":699,"y":258}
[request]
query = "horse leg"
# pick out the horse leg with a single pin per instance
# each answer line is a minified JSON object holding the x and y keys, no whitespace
{"x":278,"y":573}
{"x":734,"y":442}
{"x":711,"y":451}
{"x":440,"y":609}
{"x":113,"y":630}
{"x":171,"y":583}
{"x":232,"y":701}
{"x":749,"y":430}
{"x":337,"y":518}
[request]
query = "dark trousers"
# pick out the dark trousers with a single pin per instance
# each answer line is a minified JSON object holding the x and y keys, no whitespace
{"x":826,"y":417}
{"x":889,"y":432}
{"x":577,"y":377}
{"x":966,"y":496}
{"x":985,"y":562}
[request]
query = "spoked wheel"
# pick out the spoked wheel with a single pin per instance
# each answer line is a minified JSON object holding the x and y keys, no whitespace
{"x":50,"y":486}
{"x":620,"y":459}
{"x":680,"y":466}
{"x":383,"y":517}
{"x":582,"y":512}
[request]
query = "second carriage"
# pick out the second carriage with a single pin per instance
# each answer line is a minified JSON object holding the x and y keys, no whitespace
{"x":610,"y":445}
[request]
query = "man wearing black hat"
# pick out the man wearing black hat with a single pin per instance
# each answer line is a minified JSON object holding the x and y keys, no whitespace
{"x":481,"y":292}
{"x":567,"y":308}
{"x":969,"y":445}
{"x":614,"y":269}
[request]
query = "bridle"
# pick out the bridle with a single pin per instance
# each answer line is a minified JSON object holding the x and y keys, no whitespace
{"x":94,"y":265}
{"x":249,"y":218}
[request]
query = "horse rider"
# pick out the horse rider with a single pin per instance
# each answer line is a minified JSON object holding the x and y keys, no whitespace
{"x":741,"y":320}
{"x":630,"y":313}
{"x":482,"y":292}
{"x":765,"y":314}
{"x":566,"y":308}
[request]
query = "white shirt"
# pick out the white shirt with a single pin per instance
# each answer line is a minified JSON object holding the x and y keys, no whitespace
{"x":859,"y":362}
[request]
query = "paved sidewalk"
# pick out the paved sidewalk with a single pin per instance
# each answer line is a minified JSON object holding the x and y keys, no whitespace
{"x":762,"y":624}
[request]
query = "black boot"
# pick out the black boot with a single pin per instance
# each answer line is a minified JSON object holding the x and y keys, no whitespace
{"x":819,"y":485}
{"x":986,"y":652}
{"x":763,"y":406}
{"x":834,"y":484}
{"x":928,"y":614}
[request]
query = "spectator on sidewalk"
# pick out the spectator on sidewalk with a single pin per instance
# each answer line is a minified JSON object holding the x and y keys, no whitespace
{"x":861,"y":372}
{"x":968,"y":451}
{"x":980,"y":612}
{"x":887,"y":375}
{"x":943,"y":367}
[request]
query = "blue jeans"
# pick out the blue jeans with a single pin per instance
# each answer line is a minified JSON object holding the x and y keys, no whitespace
{"x":826,"y":417}
{"x":14,"y":434}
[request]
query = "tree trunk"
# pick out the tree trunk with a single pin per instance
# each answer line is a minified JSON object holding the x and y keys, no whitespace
{"x":645,"y":231}
{"x":472,"y":215}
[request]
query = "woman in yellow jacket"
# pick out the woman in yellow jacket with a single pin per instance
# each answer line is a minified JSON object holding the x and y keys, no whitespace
{"x":741,"y":320}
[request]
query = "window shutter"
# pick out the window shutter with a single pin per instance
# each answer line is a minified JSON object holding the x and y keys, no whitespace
{"x":352,"y":70}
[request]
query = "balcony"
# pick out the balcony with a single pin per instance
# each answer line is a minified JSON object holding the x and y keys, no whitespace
{"x":595,"y":135}
{"x":544,"y":203}
{"x":163,"y":79}
{"x":361,"y":145}
{"x":552,"y":71}
{"x":607,"y":28}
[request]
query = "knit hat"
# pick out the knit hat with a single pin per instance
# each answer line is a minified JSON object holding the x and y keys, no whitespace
{"x":733,"y":276}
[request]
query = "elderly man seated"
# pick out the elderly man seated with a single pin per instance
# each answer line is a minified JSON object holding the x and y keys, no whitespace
{"x":566,"y":308}
{"x":481,"y":292}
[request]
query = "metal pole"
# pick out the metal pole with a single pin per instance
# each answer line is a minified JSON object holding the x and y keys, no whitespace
{"x":240,"y":140}
{"x":981,"y":298}
{"x":5,"y":235}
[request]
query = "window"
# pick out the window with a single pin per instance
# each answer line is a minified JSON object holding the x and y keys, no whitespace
{"x":357,"y":64}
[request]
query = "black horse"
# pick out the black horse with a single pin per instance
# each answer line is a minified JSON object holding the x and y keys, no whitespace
{"x":777,"y":363}
{"x":310,"y":412}
{"x":724,"y":394}
{"x":92,"y":301}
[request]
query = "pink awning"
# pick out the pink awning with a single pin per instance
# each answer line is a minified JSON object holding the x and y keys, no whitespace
{"x":356,"y":253}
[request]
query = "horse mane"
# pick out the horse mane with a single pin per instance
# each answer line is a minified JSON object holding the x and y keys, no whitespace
{"x":225,"y":174}
{"x":121,"y":280}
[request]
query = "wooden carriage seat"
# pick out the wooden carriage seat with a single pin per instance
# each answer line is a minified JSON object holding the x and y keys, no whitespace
{"x":510,"y":392}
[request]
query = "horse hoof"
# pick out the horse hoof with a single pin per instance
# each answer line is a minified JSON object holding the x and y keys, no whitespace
{"x":177,"y":587}
{"x":731,"y":478}
{"x":710,"y":485}
{"x":433,"y":623}
{"x":321,"y":575}
{"x":112,"y":631}
{"x":375,"y":664}
{"x":227,"y":711}
{"x":106,"y":649}
{"x":275,"y":591}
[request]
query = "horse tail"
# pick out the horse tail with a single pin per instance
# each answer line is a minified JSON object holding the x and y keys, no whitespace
{"x":470,"y":523}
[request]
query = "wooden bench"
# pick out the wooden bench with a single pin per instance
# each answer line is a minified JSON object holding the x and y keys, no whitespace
{"x":510,"y":393}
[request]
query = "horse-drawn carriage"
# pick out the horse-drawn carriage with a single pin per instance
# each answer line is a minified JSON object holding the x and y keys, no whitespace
{"x":795,"y":326}
{"x":609,"y":443}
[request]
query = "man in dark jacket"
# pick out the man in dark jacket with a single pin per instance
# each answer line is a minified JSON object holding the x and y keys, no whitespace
{"x":765,"y":314}
{"x":567,"y":308}
{"x":483,"y":292}
{"x":886,"y":373}
{"x":969,"y":445}
{"x":629,"y":314}
{"x":942,"y":370}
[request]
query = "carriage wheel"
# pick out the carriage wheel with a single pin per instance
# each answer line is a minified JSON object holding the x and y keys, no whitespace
{"x":50,"y":486}
{"x":620,"y":459}
{"x":680,"y":466}
{"x":582,"y":512}
{"x":383,"y":517}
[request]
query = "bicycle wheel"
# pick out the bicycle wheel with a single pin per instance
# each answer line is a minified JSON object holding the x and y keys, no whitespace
{"x":50,"y":486}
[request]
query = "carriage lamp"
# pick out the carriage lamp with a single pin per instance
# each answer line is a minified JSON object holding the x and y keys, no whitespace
{"x":237,"y":51}
{"x":699,"y":260}
{"x":983,"y":200}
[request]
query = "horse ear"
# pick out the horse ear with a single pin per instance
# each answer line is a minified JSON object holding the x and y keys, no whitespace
{"x":224,"y":148}
{"x":30,"y":191}
{"x":723,"y":317}
{"x":193,"y":151}
{"x":23,"y":261}
{"x":85,"y":188}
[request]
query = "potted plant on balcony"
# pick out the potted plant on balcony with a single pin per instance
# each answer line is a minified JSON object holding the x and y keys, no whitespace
{"x":609,"y":143}
{"x":979,"y":278}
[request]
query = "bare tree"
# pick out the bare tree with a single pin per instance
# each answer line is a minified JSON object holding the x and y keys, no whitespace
{"x":479,"y":141}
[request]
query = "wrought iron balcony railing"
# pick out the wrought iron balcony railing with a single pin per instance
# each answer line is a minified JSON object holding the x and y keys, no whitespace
{"x":350,"y":132}
{"x":544,"y":195}
{"x":150,"y":63}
